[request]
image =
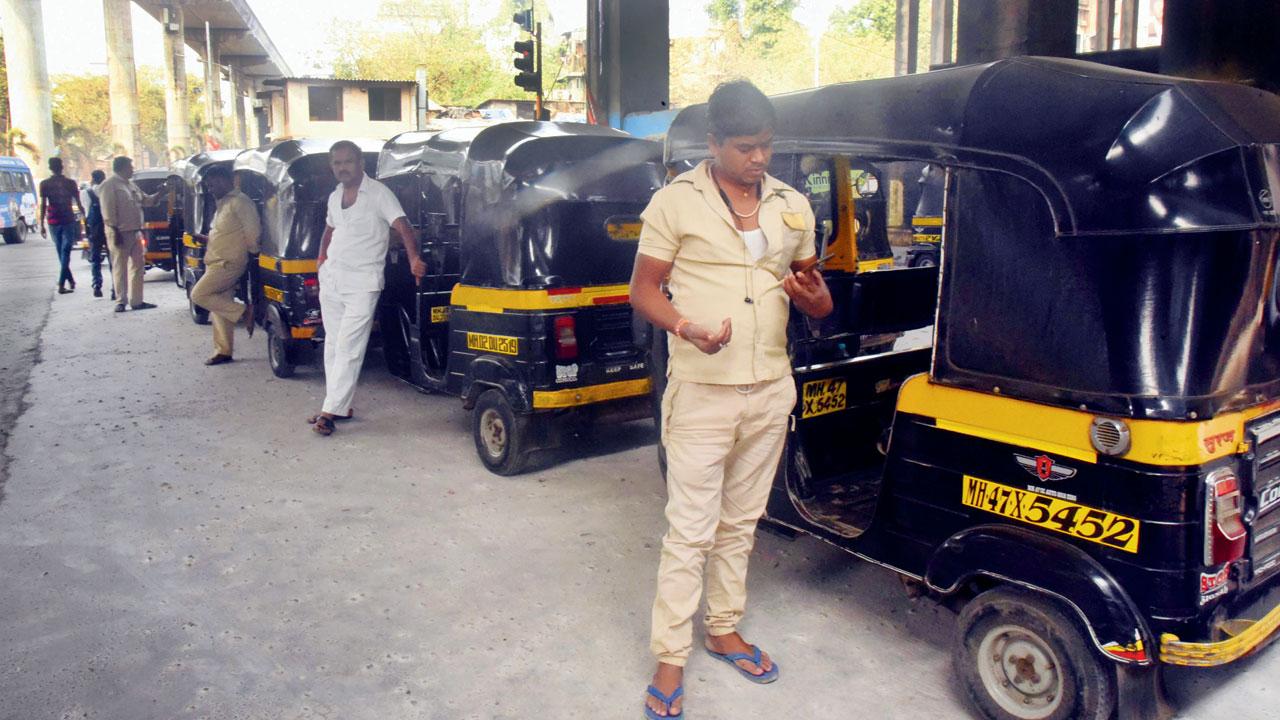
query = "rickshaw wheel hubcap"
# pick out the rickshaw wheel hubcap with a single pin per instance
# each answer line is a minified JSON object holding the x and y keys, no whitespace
{"x":1020,"y":672}
{"x":493,"y":431}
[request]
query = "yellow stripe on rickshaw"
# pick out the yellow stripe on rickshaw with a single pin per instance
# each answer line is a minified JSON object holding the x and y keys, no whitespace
{"x":1065,"y":432}
{"x":869,"y":265}
{"x":926,"y":221}
{"x":287,"y":267}
{"x":1246,"y":636}
{"x":497,"y":300}
{"x":573,"y":397}
{"x":190,"y":241}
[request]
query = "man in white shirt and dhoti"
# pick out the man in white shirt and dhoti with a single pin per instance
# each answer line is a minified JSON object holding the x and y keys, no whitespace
{"x":353,"y":252}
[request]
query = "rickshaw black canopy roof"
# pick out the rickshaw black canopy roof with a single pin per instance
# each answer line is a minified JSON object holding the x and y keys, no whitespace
{"x":516,"y":145}
{"x":193,"y":167}
{"x":1107,"y":147}
{"x":523,"y":197}
{"x":276,"y":161}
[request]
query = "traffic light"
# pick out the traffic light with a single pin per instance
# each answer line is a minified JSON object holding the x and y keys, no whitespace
{"x":524,"y":18}
{"x":529,"y":78}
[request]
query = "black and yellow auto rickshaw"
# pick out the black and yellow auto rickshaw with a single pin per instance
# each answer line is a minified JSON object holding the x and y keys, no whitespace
{"x":194,"y":206}
{"x":157,"y":230}
{"x":926,"y":221}
{"x":290,"y":182}
{"x":1076,"y":440}
{"x":529,"y":231}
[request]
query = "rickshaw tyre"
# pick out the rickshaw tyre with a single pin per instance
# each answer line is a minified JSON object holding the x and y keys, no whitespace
{"x":280,"y":356}
{"x":491,"y":406}
{"x":1088,"y":685}
{"x":12,"y":236}
{"x":199,"y":315}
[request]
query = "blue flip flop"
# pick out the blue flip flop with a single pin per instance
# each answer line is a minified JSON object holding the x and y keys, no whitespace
{"x":648,"y":711}
{"x":755,"y":658}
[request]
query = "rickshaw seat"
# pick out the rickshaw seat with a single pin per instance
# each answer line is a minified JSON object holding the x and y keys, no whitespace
{"x":891,"y":301}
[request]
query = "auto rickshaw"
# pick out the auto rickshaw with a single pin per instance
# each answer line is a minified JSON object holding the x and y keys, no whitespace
{"x":157,"y":231}
{"x":290,"y":182}
{"x":1076,"y":441}
{"x":529,"y":231}
{"x":194,"y":207}
{"x":926,"y":222}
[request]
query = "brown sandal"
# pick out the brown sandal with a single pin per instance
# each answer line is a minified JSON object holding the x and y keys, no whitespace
{"x":323,"y":425}
{"x":350,"y":414}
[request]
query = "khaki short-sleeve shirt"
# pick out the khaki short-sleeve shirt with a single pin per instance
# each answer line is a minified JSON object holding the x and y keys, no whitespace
{"x":714,"y":277}
{"x":233,"y":234}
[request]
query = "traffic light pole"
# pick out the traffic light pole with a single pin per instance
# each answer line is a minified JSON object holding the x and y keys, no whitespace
{"x":537,"y":41}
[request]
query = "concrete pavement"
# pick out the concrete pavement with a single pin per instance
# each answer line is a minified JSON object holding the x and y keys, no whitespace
{"x":176,"y":543}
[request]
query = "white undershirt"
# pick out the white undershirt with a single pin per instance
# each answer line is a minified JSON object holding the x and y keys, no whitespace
{"x":755,"y":242}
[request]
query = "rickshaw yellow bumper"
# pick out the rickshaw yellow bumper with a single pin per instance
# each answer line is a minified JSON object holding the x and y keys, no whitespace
{"x":573,"y":397}
{"x":1246,"y":636}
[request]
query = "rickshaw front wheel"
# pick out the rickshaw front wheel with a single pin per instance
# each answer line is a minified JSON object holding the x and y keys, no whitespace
{"x":1018,"y":656}
{"x":501,"y":436}
{"x":279,"y":355}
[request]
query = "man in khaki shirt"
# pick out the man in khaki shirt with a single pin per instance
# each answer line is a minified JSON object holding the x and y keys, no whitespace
{"x":122,"y":203}
{"x":736,"y":247}
{"x":233,"y":235}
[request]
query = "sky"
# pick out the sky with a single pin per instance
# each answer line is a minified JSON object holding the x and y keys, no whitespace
{"x":75,"y":44}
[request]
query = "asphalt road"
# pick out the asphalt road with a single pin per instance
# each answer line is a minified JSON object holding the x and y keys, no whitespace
{"x":175,"y":543}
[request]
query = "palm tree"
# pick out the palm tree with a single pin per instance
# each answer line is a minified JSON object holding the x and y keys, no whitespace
{"x":15,"y":139}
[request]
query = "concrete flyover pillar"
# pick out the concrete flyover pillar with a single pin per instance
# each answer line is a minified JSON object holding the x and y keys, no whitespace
{"x":212,"y":86}
{"x":29,"y":95}
{"x":177,"y":119}
{"x":126,"y":128}
{"x":239,"y":132}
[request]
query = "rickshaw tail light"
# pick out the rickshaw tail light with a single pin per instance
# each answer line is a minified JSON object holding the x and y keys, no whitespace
{"x":1224,"y":538}
{"x":566,"y":338}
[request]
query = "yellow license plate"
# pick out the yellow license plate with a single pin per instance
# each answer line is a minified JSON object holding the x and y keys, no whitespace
{"x":623,"y":230}
{"x":493,"y":343}
{"x":1056,"y":514}
{"x":440,"y":314}
{"x":824,"y":396}
{"x":272,"y":293}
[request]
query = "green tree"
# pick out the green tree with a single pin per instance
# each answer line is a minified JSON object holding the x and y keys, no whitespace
{"x":467,"y":62}
{"x":867,"y":18}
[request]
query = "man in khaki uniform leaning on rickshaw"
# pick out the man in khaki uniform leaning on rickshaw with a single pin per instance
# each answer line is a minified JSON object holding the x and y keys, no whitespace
{"x":233,"y":234}
{"x":738,"y":248}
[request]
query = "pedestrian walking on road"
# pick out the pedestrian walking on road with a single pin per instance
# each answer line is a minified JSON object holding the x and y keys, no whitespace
{"x":736,"y":247}
{"x":57,"y":194}
{"x":95,"y":231}
{"x":122,"y":203}
{"x":233,"y":235}
{"x":353,"y":252}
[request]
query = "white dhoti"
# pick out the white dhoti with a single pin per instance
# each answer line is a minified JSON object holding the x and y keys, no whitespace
{"x":348,"y":320}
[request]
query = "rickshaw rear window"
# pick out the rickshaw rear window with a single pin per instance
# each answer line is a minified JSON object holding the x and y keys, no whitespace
{"x":1150,"y":324}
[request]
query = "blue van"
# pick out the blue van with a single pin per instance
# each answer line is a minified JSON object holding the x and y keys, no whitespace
{"x":17,"y":200}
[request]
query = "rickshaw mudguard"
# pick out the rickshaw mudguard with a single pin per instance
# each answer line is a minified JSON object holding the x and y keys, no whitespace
{"x":1052,"y":567}
{"x":490,"y":372}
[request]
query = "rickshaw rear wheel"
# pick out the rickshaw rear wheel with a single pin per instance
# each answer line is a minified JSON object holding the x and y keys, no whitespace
{"x":199,"y":315}
{"x":12,"y":236}
{"x":501,"y":436}
{"x":1019,"y":656}
{"x":179,"y":265}
{"x":279,"y":354}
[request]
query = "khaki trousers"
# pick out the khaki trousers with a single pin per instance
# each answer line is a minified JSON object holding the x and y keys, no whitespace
{"x":127,"y":265}
{"x":723,"y":444}
{"x":216,"y":292}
